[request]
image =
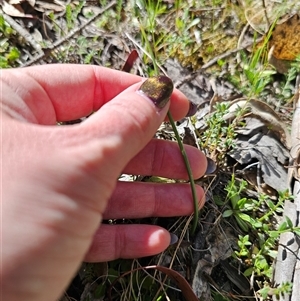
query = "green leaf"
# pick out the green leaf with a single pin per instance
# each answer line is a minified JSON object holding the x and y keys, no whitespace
{"x":265,"y":227}
{"x":271,"y":204}
{"x":272,"y":253}
{"x":193,"y":23}
{"x":282,"y":226}
{"x":4,"y":43}
{"x":264,"y":292}
{"x":244,"y":217}
{"x":267,"y":73}
{"x":69,"y":17}
{"x":244,"y":238}
{"x":241,"y":203}
{"x":261,"y":263}
{"x":227,"y":213}
{"x":234,"y":200}
{"x":3,"y":62}
{"x":179,"y":23}
{"x":2,"y":22}
{"x":218,"y":201}
{"x":297,"y":231}
{"x":100,"y":291}
{"x":289,"y":222}
{"x":13,"y":55}
{"x":274,"y":234}
{"x":243,"y":225}
{"x":243,"y":253}
{"x":248,"y":272}
{"x":219,"y":297}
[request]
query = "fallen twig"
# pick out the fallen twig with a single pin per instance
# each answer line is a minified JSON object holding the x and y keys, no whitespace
{"x":69,"y":35}
{"x":22,"y":32}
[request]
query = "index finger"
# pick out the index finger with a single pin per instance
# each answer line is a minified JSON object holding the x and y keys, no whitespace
{"x":69,"y":92}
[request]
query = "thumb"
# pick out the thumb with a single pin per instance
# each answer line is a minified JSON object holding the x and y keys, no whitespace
{"x":126,"y":123}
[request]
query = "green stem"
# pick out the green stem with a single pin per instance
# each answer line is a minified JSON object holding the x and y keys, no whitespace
{"x":189,"y":171}
{"x":180,"y":144}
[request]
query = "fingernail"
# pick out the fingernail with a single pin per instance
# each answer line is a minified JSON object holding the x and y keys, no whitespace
{"x":174,"y":239}
{"x":158,"y":89}
{"x":192,"y":110}
{"x":211,"y":166}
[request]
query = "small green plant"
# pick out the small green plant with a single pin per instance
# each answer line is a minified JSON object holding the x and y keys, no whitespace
{"x":284,"y":288}
{"x":174,"y":41}
{"x":256,"y":72}
{"x":8,"y":54}
{"x":240,"y":205}
{"x":287,"y":86}
{"x":219,"y":297}
{"x":154,"y":10}
{"x":219,"y":135}
{"x":72,"y":12}
{"x":257,"y":76}
{"x":258,"y":248}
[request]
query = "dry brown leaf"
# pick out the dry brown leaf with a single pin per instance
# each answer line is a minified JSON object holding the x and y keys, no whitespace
{"x":256,"y":143}
{"x":31,"y":2}
{"x":285,"y":39}
{"x":284,"y":43}
{"x":13,"y":10}
{"x":256,"y":16}
{"x":260,"y":14}
{"x":263,"y":112}
{"x":55,"y":6}
{"x":13,"y":2}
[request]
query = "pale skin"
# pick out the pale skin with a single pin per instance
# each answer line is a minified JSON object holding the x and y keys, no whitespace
{"x":59,"y":182}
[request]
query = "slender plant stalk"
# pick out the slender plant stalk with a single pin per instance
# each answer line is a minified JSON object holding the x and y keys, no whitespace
{"x":189,"y":171}
{"x":151,"y":55}
{"x":185,"y":159}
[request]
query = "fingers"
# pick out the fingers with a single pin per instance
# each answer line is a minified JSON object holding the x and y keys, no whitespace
{"x":139,"y":199}
{"x":127,"y":241}
{"x":118,"y":131}
{"x":163,"y":158}
{"x":66,"y":92}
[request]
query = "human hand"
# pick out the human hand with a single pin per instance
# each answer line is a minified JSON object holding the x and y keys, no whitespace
{"x":59,"y":182}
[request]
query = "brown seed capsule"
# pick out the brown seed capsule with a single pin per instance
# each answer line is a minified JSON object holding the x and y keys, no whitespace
{"x":158,"y":89}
